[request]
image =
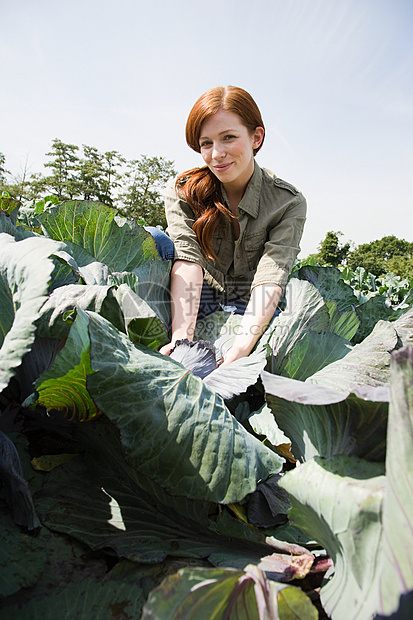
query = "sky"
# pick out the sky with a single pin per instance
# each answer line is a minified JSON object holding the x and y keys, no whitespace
{"x":333,"y":80}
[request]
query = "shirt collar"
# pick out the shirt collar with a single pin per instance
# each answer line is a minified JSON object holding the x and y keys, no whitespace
{"x":251,"y":198}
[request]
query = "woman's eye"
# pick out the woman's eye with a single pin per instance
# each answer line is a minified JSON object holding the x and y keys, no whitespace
{"x":205,"y":143}
{"x":229,"y":137}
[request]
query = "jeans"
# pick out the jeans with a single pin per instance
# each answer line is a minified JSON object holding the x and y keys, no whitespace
{"x":164,"y":244}
{"x":211,"y":300}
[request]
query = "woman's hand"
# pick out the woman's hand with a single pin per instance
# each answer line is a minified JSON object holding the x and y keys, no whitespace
{"x":186,"y":286}
{"x":234,"y":353}
{"x":167,"y":348}
{"x":259,"y":312}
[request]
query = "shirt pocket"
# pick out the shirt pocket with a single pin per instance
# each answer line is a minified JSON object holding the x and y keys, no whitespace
{"x":224,"y":250}
{"x":217,"y":239}
{"x":254,"y":247}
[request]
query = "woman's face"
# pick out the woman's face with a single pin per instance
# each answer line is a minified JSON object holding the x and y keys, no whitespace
{"x":227,"y":148}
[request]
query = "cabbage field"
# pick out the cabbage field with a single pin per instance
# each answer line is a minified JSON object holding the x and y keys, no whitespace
{"x":136,"y":485}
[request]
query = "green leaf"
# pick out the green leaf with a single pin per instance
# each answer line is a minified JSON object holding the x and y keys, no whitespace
{"x":22,"y":557}
{"x":312,"y":353}
{"x":397,"y":565}
{"x":268,"y":506}
{"x":105,"y":503}
{"x":338,"y":501}
{"x":328,"y":280}
{"x":108,"y":599}
{"x":149,"y":282}
{"x":11,"y":207}
{"x":94,"y":273}
{"x":369,"y":313}
{"x":305,"y":312}
{"x":31,"y":567}
{"x":14,"y":488}
{"x":119,"y":243}
{"x":173,"y":428}
{"x":363,"y":519}
{"x":202,"y":594}
{"x":341,"y":409}
{"x":142,"y":323}
{"x":25,"y":271}
{"x":18,"y":232}
{"x":59,"y":311}
{"x":293,"y":606}
{"x":154,"y":288}
{"x":404,"y":328}
{"x":263,"y":423}
{"x":188,"y":440}
{"x":347,"y":425}
{"x":63,"y":386}
{"x":220,"y":328}
{"x":367,"y":364}
{"x":344,"y":324}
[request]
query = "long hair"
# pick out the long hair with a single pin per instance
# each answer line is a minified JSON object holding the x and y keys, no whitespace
{"x":199,"y":187}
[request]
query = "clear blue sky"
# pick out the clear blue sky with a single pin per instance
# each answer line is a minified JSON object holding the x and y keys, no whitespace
{"x":333,"y":79}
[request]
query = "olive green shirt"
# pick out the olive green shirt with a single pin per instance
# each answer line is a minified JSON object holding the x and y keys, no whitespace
{"x":271,"y":217}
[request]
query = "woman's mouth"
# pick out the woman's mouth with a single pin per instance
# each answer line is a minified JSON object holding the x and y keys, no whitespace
{"x":222,"y":167}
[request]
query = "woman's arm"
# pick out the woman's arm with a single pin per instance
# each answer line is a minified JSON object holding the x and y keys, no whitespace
{"x":259,"y":312}
{"x":186,"y":286}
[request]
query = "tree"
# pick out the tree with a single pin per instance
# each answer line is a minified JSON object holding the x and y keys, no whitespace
{"x":5,"y":186}
{"x":3,"y":171}
{"x":142,"y":196}
{"x":89,"y":170}
{"x":110,"y":178}
{"x":62,"y":181}
{"x":401,"y":266}
{"x":383,"y":255}
{"x":20,"y":184}
{"x":330,"y":251}
{"x":37,"y":186}
{"x":98,"y":176}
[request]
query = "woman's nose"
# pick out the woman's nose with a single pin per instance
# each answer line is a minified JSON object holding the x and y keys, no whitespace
{"x":218,"y":151}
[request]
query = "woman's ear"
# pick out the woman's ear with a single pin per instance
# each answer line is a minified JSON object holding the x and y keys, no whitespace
{"x":258,"y":137}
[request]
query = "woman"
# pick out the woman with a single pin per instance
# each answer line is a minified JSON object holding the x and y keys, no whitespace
{"x":236,"y":228}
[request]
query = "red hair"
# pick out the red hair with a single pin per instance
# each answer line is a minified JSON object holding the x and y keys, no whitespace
{"x":199,"y":187}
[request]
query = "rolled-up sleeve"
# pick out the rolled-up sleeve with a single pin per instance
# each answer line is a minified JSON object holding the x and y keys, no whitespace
{"x":181,"y":218}
{"x":282,"y":245}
